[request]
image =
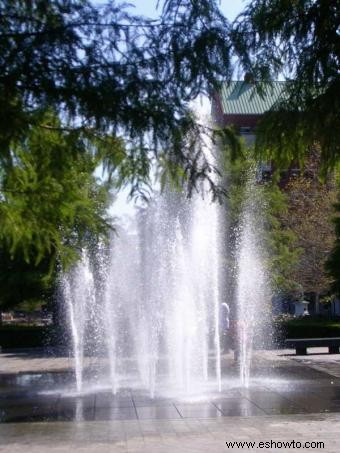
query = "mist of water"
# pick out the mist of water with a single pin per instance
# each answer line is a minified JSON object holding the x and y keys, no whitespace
{"x":148,"y":307}
{"x":155,"y":317}
{"x":252,"y":294}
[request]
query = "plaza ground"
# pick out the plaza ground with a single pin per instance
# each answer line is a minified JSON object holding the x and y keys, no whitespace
{"x":305,"y":409}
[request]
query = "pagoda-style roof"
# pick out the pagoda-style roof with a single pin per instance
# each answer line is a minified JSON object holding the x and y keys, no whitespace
{"x":242,"y":98}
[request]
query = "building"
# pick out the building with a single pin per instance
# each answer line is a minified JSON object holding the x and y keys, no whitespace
{"x":241,"y":105}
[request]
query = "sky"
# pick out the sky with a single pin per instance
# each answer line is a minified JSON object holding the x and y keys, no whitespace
{"x":231,"y":8}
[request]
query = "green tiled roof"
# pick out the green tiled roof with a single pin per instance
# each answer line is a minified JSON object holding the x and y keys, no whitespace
{"x":241,"y":98}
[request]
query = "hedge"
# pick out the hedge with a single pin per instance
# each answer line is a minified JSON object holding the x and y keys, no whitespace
{"x":14,"y":336}
{"x":308,"y":328}
{"x":18,"y":336}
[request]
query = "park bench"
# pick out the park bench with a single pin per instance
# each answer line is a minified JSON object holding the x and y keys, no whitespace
{"x":301,"y":344}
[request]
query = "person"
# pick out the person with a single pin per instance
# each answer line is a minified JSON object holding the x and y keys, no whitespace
{"x":225,"y":326}
{"x":305,"y":312}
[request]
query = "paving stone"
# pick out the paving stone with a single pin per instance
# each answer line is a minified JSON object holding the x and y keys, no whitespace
{"x":157,"y":413}
{"x":109,"y":400}
{"x":238,"y":407}
{"x":125,"y":413}
{"x":278,"y":406}
{"x":198,"y":410}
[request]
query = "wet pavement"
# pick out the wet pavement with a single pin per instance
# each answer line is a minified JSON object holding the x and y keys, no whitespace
{"x":31,"y":407}
{"x":290,"y":399}
{"x":287,"y":387}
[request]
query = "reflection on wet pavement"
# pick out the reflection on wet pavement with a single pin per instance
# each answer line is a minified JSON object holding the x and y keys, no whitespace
{"x":29,"y":397}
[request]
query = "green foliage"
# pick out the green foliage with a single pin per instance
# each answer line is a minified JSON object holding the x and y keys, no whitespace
{"x":50,"y":206}
{"x":310,"y":327}
{"x":311,"y":208}
{"x":83,"y":85}
{"x":110,"y":71}
{"x":120,"y":87}
{"x":283,"y":254}
{"x":300,"y":40}
{"x":23,"y":282}
{"x":50,"y":199}
{"x":12,"y":336}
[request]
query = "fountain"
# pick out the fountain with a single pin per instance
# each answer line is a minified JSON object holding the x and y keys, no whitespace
{"x":149,"y":311}
{"x":79,"y":308}
{"x":252,"y":285}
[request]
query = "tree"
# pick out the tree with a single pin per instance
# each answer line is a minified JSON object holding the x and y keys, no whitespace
{"x":113,"y":77}
{"x":121,"y":86}
{"x":283,"y":250}
{"x":21,"y":281}
{"x":103,"y":67}
{"x":300,"y":41}
{"x":278,"y":241}
{"x":107,"y":70}
{"x":333,"y":262}
{"x":51,"y":204}
{"x":311,"y":208}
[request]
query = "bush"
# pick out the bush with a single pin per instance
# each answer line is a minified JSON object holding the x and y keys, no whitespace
{"x":308,"y":327}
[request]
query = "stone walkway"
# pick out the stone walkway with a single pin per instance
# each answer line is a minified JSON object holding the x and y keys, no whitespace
{"x":36,"y":360}
{"x":151,"y":432}
{"x":195,"y":435}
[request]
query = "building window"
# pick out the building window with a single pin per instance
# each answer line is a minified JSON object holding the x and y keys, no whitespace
{"x":245,"y":130}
